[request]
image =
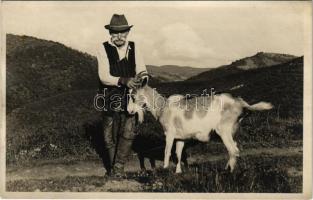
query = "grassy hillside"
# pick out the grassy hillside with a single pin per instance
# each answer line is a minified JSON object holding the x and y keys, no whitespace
{"x":51,"y":128}
{"x":50,"y":90}
{"x":38,"y":69}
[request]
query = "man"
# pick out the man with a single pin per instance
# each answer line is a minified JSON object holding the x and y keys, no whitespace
{"x":120,"y":68}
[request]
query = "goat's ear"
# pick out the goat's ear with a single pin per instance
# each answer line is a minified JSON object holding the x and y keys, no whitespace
{"x":144,"y":81}
{"x":143,"y":77}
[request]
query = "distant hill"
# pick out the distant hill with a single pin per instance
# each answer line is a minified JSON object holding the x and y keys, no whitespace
{"x":170,"y":73}
{"x":259,"y":60}
{"x":262,"y":59}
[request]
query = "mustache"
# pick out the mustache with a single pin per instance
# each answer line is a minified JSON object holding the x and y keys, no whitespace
{"x":118,"y":40}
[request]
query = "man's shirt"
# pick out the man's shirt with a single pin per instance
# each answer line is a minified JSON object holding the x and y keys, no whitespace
{"x":104,"y":65}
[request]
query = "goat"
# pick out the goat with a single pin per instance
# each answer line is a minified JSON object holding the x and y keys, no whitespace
{"x":195,"y":118}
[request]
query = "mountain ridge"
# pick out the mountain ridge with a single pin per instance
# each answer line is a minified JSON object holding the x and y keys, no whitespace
{"x":169,"y":73}
{"x":259,"y":60}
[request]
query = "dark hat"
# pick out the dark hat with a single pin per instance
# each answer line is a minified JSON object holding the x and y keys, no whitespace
{"x":118,"y":23}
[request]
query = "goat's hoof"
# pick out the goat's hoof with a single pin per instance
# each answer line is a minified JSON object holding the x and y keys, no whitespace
{"x":142,"y":172}
{"x":229,"y":167}
{"x":178,"y":171}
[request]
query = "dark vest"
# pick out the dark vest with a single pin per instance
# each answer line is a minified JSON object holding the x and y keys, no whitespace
{"x":119,"y":67}
{"x":126,"y":67}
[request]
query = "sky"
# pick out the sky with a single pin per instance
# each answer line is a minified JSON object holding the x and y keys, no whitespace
{"x":198,"y":34}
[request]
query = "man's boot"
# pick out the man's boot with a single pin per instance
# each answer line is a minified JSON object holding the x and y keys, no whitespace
{"x":124,"y":144}
{"x":111,"y":153}
{"x":109,"y":141}
{"x":123,"y":151}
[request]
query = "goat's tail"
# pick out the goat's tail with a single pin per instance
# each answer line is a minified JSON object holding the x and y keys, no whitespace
{"x":258,"y":106}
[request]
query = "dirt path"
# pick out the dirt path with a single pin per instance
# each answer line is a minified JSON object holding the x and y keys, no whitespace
{"x":95,"y":168}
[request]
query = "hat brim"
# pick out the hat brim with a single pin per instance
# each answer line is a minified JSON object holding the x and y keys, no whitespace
{"x":118,"y":28}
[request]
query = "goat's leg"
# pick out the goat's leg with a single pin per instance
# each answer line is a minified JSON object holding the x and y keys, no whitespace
{"x":231,"y":145}
{"x":152,"y":163}
{"x":184,"y":158}
{"x":168,"y":149}
{"x":179,"y":149}
{"x":142,"y":162}
{"x":233,"y":151}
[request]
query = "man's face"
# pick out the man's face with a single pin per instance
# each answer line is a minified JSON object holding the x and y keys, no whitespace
{"x":119,"y":38}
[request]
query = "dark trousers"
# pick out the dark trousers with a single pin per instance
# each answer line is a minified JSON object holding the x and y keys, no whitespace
{"x":118,"y":136}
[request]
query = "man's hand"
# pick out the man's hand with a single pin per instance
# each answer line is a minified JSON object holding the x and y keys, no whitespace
{"x":130,"y":82}
{"x":133,"y":83}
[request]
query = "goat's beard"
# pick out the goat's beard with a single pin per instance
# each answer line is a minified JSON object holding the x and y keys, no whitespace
{"x":140,"y":114}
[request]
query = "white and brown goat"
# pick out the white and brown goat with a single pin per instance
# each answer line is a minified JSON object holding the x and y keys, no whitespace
{"x":184,"y":118}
